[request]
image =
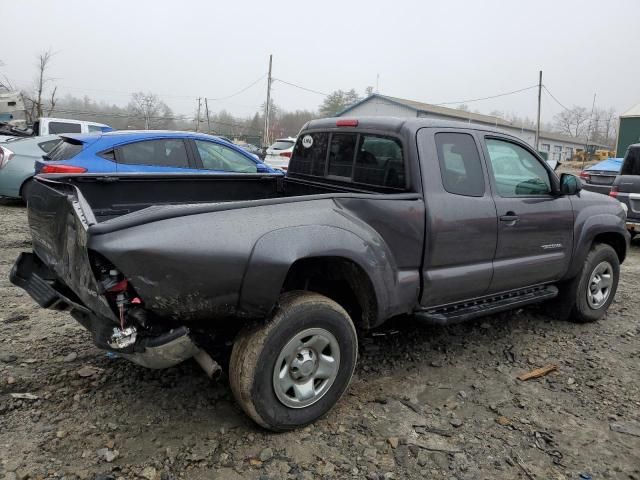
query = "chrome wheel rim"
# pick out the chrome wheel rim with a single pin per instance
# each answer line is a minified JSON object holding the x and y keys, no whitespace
{"x":599,"y":287}
{"x":306,"y":367}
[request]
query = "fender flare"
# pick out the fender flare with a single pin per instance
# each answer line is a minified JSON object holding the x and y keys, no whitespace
{"x":593,"y":226}
{"x":275,"y":252}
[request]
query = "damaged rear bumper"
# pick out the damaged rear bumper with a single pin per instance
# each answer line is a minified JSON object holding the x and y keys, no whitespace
{"x":158,"y":351}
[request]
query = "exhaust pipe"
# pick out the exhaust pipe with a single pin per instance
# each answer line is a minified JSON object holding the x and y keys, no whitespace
{"x":208,"y":364}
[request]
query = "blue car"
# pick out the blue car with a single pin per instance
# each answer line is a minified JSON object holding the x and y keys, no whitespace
{"x":148,"y":152}
{"x":599,"y":177}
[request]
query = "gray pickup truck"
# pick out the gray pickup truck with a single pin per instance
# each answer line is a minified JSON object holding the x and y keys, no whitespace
{"x":376,"y":217}
{"x":626,"y":188}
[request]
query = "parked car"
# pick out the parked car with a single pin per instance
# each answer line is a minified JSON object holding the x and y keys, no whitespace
{"x":599,"y":177}
{"x":49,"y":126}
{"x":376,"y":217}
{"x":279,"y":153}
{"x":148,"y":151}
{"x":626,"y":188}
{"x":17,"y":159}
{"x":249,"y":147}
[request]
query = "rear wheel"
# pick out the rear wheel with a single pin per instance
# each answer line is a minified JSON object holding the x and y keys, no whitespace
{"x":587,"y":297}
{"x":291,"y":371}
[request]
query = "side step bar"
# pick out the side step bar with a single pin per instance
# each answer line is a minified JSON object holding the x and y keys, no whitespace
{"x":460,"y":312}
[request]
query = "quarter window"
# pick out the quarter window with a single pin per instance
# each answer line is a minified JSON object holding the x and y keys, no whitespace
{"x":516,"y":171}
{"x":165,"y":153}
{"x":218,"y":157}
{"x":460,"y":165}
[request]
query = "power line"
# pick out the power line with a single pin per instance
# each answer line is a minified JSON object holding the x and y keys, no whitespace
{"x":301,"y":88}
{"x":556,"y":100}
{"x":239,"y":91}
{"x":486,"y":98}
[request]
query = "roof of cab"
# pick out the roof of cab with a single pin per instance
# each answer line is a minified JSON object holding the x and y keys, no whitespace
{"x":397,"y":124}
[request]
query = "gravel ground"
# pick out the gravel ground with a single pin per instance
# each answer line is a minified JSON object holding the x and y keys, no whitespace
{"x":426,"y":402}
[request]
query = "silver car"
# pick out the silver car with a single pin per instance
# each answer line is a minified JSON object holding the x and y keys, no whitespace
{"x":17,"y":159}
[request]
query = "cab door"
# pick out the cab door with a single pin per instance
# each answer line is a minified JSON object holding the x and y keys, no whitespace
{"x":461,"y":225}
{"x":535,"y":225}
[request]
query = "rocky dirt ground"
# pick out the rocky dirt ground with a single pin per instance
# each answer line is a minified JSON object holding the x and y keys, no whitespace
{"x":426,"y":402}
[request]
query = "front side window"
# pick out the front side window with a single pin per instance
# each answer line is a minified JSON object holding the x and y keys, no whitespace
{"x":64,"y":127}
{"x":516,"y":171}
{"x":218,"y":157}
{"x":165,"y":153}
{"x":460,"y":165}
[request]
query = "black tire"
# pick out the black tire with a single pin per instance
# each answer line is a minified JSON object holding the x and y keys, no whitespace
{"x":25,"y":189}
{"x":258,"y":347}
{"x":572,"y":303}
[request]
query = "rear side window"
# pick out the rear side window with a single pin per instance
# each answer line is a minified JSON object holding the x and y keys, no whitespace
{"x":310,"y":155}
{"x":460,"y":165}
{"x":64,"y":127}
{"x":94,"y":128}
{"x":631,"y":164}
{"x":164,"y":153}
{"x":65,"y":150}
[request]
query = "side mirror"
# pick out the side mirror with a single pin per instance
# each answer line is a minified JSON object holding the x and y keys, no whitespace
{"x":569,"y":184}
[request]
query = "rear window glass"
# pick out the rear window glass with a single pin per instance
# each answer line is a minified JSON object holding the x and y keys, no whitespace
{"x":65,"y":150}
{"x":164,"y":153}
{"x":341,"y":152}
{"x":282,"y":144}
{"x":47,"y":146}
{"x":631,"y":165}
{"x":359,"y":158}
{"x":64,"y":127}
{"x":310,"y":156}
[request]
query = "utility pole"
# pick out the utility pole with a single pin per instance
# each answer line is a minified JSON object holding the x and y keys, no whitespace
{"x":198,"y":119}
{"x":539,"y":105}
{"x":265,"y":140}
{"x":206,"y":109}
{"x":586,"y":146}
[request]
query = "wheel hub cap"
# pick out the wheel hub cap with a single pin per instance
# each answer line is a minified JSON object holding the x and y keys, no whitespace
{"x":600,"y":283}
{"x":306,"y":367}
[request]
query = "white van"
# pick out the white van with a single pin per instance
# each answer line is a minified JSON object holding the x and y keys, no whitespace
{"x":49,"y":126}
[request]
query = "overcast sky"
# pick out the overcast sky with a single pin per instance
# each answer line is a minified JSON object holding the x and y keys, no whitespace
{"x":444,"y":51}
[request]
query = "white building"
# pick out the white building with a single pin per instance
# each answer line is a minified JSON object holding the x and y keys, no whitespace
{"x":559,"y":147}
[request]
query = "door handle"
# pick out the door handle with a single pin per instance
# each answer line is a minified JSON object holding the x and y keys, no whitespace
{"x":509,"y":217}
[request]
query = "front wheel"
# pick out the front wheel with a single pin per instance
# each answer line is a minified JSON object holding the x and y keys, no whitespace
{"x":589,"y":295}
{"x":290,"y":371}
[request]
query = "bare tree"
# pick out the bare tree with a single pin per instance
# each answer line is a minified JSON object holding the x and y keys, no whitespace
{"x":34,"y":102}
{"x":151,"y":109}
{"x":572,"y":122}
{"x":5,"y":83}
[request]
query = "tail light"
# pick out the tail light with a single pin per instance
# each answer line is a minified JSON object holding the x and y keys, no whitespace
{"x":614,"y":191}
{"x":585,"y":176}
{"x":347,"y":123}
{"x":5,"y":156}
{"x":286,"y":154}
{"x":59,"y":168}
